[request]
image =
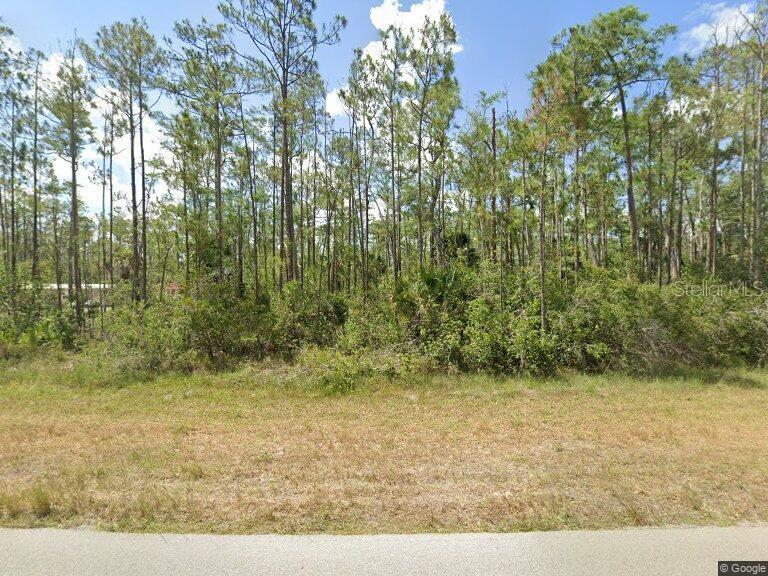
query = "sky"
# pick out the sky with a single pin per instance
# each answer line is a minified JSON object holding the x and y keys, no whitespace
{"x":500,"y":41}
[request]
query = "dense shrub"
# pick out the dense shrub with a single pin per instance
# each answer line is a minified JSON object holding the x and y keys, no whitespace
{"x":373,"y":323}
{"x":302,"y":318}
{"x":603,"y":322}
{"x":30,"y":319}
{"x":148,"y":338}
{"x":333,"y":371}
{"x":506,"y":341}
{"x":458,"y":316}
{"x":224,"y":325}
{"x":613,"y":323}
{"x":217,"y":326}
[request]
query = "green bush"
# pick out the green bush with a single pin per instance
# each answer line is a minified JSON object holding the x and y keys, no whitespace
{"x":337,"y":372}
{"x":458,"y":316}
{"x":373,"y":323}
{"x":617,"y":324}
{"x":148,"y":338}
{"x":302,"y":318}
{"x":182,"y":333}
{"x":223,"y":325}
{"x":506,"y":341}
{"x":29,"y":318}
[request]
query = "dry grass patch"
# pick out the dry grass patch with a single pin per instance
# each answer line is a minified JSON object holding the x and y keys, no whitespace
{"x":246,"y":452}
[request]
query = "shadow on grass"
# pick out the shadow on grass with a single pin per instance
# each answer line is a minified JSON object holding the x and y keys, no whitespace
{"x":739,"y":378}
{"x":333,"y":377}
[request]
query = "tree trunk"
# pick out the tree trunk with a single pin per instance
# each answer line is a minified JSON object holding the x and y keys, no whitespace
{"x":144,"y":199}
{"x":713,"y":193}
{"x":35,"y":167}
{"x":290,"y":264}
{"x":542,"y":244}
{"x":134,"y":203}
{"x":631,"y":206}
{"x":75,"y":230}
{"x":217,"y":191}
{"x":757,"y":216}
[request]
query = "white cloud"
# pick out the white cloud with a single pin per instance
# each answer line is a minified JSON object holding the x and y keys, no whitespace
{"x":722,"y":23}
{"x":89,"y":187}
{"x":333,"y":103}
{"x":153,"y":140}
{"x":390,"y":13}
{"x":374,"y":49}
{"x":387,"y":14}
{"x":685,"y":107}
{"x":11,"y":43}
{"x":90,"y":191}
{"x":308,"y":162}
{"x":49,"y":67}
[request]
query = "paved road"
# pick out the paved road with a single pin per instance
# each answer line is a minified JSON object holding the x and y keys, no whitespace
{"x":642,"y":552}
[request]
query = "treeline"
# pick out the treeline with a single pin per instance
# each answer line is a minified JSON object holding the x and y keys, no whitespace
{"x":628,"y":169}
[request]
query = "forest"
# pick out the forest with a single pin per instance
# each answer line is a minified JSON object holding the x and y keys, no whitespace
{"x":616,"y":223}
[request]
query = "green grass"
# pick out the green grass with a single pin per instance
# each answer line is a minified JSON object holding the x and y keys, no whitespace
{"x":273,"y":448}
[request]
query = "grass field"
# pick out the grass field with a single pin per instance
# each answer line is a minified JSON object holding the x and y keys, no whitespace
{"x":258,"y":450}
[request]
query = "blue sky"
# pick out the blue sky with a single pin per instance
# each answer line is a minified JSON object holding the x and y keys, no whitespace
{"x":502,"y":39}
